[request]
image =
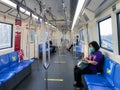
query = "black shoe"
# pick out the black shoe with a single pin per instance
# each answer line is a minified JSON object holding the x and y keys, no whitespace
{"x":68,"y":50}
{"x":78,"y":88}
{"x":75,"y":85}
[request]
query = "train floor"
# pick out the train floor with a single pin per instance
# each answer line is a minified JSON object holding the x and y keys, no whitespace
{"x":60,"y":74}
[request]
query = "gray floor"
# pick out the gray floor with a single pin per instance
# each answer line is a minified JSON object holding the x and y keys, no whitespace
{"x":62,"y":70}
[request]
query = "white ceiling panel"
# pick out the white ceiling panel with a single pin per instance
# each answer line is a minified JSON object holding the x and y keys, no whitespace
{"x":14,"y":13}
{"x":56,"y":10}
{"x":94,"y":4}
{"x":4,"y":8}
{"x":104,"y":6}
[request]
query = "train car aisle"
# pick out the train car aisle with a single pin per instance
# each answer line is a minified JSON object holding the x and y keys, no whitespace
{"x":60,"y":74}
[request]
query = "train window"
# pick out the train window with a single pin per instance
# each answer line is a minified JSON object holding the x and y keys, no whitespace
{"x":81,"y":35}
{"x":31,"y":36}
{"x":105,"y":33}
{"x":6,"y":34}
{"x":118,"y":25}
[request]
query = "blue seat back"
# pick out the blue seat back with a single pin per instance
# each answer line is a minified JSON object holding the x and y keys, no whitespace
{"x":4,"y":61}
{"x":108,"y":69}
{"x":40,"y":47}
{"x":78,"y":48}
{"x":13,"y":57}
{"x":116,"y":78}
{"x":46,"y":45}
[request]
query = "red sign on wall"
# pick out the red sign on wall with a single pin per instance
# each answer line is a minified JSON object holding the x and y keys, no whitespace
{"x":17,"y":41}
{"x":18,"y":22}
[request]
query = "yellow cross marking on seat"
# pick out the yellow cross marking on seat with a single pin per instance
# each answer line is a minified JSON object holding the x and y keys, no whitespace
{"x":13,"y":58}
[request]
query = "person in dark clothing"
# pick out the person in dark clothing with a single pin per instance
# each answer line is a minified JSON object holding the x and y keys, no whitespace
{"x":71,"y":46}
{"x":93,"y":59}
{"x":52,"y":47}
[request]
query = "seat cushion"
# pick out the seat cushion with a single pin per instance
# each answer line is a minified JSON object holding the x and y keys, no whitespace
{"x":25,"y":63}
{"x":16,"y":68}
{"x":95,"y":87}
{"x":4,"y":76}
{"x":96,"y":79}
{"x":31,"y":60}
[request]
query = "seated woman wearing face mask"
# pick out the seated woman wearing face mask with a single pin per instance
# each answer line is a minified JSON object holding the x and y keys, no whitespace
{"x":94,"y":59}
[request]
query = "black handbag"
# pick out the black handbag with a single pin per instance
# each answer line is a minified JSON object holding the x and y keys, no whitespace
{"x":82,"y":64}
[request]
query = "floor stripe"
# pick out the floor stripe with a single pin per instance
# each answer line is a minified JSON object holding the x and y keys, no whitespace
{"x":59,"y":62}
{"x":55,"y":80}
{"x":61,"y":54}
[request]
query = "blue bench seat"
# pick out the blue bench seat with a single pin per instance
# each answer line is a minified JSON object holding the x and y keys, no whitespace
{"x":108,"y":80}
{"x":11,"y":69}
{"x":5,"y":76}
{"x":95,"y":87}
{"x":96,"y":80}
{"x":0,"y":83}
{"x":16,"y":68}
{"x":26,"y":63}
{"x":41,"y":48}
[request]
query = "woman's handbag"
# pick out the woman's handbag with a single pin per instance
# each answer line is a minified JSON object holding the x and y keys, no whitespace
{"x":82,"y":64}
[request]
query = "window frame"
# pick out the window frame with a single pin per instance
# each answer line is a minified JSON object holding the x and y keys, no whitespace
{"x":81,"y":33}
{"x":118,"y":30}
{"x":99,"y":32}
{"x":11,"y":36}
{"x":32,"y":36}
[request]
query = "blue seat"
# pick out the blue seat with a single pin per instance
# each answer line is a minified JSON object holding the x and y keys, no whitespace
{"x":5,"y":74}
{"x":0,"y":83}
{"x":41,"y":47}
{"x":13,"y":58}
{"x":95,"y":87}
{"x":26,"y":63}
{"x":78,"y":48}
{"x":108,"y":70}
{"x":116,"y":81}
{"x":4,"y":62}
{"x":96,"y":80}
{"x":11,"y":69}
{"x":14,"y":62}
{"x":108,"y":80}
{"x":104,"y":79}
{"x":116,"y":78}
{"x":16,"y":68}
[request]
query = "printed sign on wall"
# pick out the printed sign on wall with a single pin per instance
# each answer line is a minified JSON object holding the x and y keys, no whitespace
{"x":17,"y":41}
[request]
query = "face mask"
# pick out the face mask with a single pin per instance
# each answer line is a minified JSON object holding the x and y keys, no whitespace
{"x":92,"y":50}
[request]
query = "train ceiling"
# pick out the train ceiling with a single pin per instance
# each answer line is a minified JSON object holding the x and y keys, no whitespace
{"x":59,"y":13}
{"x":92,"y":9}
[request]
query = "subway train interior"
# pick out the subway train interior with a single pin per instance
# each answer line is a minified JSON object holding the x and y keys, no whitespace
{"x":59,"y":44}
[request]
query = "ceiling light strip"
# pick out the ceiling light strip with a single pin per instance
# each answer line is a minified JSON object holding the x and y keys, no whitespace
{"x":77,"y":12}
{"x":9,"y":3}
